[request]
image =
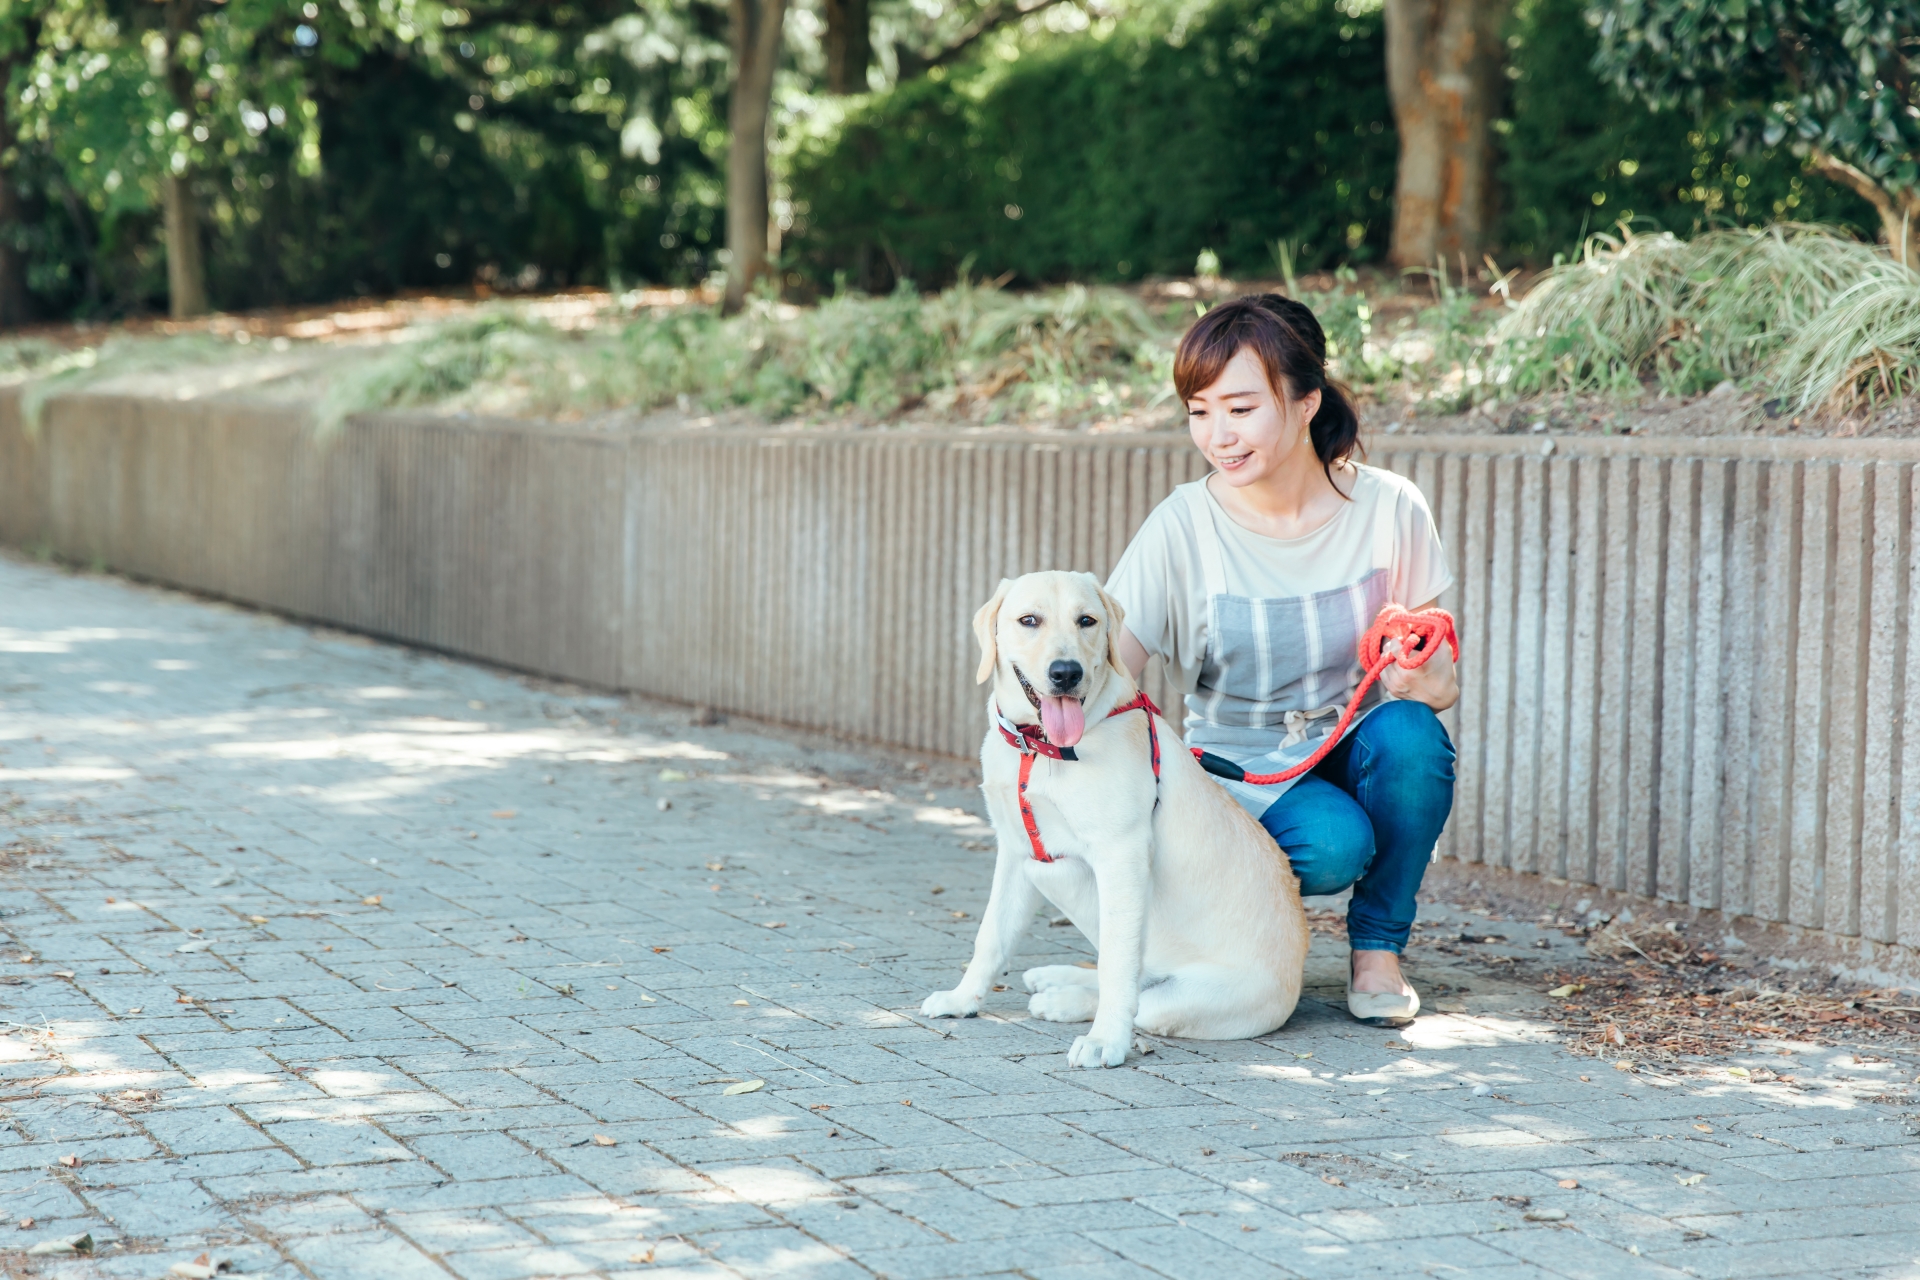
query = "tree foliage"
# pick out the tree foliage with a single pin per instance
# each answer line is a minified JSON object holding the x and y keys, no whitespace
{"x":1581,"y":158}
{"x":1834,"y":80}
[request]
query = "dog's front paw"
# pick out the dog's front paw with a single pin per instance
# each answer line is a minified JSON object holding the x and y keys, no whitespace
{"x":1098,"y":1049}
{"x":950,"y":1004}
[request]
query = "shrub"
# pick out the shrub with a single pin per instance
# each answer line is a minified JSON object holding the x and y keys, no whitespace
{"x":1110,"y":157}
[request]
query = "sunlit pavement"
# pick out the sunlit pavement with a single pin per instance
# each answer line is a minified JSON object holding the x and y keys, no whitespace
{"x":331,"y":958}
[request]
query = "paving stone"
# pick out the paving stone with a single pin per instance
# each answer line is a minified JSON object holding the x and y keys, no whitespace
{"x":414,"y":1086}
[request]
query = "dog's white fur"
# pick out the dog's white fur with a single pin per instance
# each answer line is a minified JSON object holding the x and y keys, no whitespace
{"x":1195,"y":913}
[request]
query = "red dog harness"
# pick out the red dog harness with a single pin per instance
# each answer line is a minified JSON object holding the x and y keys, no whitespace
{"x":1030,"y":740}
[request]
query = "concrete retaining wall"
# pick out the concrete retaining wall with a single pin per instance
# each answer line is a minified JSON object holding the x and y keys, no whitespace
{"x":1686,"y":668}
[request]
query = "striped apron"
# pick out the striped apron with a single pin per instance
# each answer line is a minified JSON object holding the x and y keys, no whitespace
{"x":1277,"y":671}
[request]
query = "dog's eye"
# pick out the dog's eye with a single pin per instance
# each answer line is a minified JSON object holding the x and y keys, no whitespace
{"x":1087,"y":620}
{"x":1029,"y":620}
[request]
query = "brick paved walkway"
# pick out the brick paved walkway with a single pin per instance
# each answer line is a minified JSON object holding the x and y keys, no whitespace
{"x":337,"y":959}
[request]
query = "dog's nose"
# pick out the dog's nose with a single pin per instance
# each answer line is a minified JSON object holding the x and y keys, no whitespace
{"x":1064,"y":674}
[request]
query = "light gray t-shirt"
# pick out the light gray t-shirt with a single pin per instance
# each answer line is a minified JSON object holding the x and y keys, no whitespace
{"x":1291,"y":610}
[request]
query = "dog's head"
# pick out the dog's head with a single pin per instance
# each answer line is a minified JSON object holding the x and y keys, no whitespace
{"x":1051,"y":644}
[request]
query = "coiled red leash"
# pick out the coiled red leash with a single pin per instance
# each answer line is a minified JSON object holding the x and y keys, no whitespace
{"x":1419,"y":636}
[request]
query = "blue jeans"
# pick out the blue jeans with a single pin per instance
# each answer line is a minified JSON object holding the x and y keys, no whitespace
{"x":1368,"y":816}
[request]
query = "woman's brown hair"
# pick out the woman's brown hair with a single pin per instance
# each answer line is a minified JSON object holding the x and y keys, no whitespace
{"x":1291,"y":346}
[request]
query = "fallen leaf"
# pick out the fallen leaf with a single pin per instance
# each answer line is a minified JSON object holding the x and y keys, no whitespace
{"x":505,"y":813}
{"x":201,"y":1268}
{"x":672,"y":775}
{"x":1738,"y":1071}
{"x":258,"y":919}
{"x":564,"y":988}
{"x":611,"y":987}
{"x":1245,"y":1227}
{"x":716,"y":866}
{"x":71,"y":1244}
{"x":1401,"y":1045}
{"x":26,"y":1224}
{"x":641,"y":1258}
{"x":373,"y":901}
{"x":661,"y":950}
{"x":959,"y":915}
{"x":1704,"y":1128}
{"x":745,"y":1086}
{"x":1691,"y":1180}
{"x":1331,"y":1181}
{"x":1567,"y":1184}
{"x":1302,"y":1055}
{"x":740,"y":1004}
{"x":1206,"y":1151}
{"x":134,"y":1010}
{"x":1561,"y":993}
{"x":1545,"y":1215}
{"x":602,"y":1140}
{"x":72,"y":1162}
{"x":63,"y":973}
{"x":906,"y":1102}
{"x":821,"y":1106}
{"x":774,"y":924}
{"x":198,"y":944}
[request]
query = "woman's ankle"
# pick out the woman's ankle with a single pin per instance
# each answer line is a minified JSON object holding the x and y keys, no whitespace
{"x":1377,"y":971}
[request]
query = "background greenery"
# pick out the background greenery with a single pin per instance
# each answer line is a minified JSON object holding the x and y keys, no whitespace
{"x":405,"y":144}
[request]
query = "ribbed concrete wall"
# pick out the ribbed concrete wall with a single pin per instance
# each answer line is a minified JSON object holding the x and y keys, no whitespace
{"x":1686,"y":662}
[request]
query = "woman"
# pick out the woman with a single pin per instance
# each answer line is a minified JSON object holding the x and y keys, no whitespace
{"x":1255,"y":584}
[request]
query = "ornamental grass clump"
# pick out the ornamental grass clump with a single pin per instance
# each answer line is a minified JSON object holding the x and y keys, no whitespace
{"x":1684,"y":314}
{"x":1862,"y":349}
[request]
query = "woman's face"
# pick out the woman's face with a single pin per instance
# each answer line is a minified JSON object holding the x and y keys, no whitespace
{"x":1245,"y":430}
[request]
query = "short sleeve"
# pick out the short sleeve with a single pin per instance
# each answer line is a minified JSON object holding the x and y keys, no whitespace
{"x":1144,"y":584}
{"x":1420,"y":562}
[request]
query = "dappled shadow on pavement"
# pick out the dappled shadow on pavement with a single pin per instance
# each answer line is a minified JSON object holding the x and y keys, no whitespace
{"x":325,"y":957}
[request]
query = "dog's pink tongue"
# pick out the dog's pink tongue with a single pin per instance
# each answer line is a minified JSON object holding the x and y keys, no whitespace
{"x":1064,"y":720}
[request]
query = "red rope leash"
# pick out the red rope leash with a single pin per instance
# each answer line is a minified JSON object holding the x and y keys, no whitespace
{"x":1419,"y":636}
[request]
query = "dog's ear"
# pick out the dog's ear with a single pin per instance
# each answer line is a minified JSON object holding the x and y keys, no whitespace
{"x":983,"y":628}
{"x":1115,"y":617}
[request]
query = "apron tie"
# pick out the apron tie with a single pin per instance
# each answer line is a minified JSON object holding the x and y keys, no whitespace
{"x":1298,"y":722}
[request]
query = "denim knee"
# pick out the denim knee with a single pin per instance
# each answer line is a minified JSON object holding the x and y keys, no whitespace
{"x":1404,"y":731}
{"x":1326,"y":836}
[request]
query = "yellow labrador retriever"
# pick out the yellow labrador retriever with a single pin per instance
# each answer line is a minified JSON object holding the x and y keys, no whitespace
{"x":1194,"y":912}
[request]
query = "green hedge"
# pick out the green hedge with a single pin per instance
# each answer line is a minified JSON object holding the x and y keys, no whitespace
{"x":1112,"y":157}
{"x":1129,"y":153}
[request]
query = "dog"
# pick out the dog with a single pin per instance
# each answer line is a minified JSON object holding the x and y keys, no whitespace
{"x":1193,"y":909}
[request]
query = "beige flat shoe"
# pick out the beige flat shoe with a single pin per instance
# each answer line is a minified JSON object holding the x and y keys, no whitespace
{"x":1380,"y":1008}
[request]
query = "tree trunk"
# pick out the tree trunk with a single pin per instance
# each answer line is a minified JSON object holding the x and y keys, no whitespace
{"x":849,"y":45}
{"x":756,"y":53}
{"x":186,"y":263}
{"x":1444,"y":74}
{"x":1899,"y":212}
{"x":186,"y":266}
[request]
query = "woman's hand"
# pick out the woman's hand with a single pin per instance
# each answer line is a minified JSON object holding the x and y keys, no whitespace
{"x":1434,"y":682}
